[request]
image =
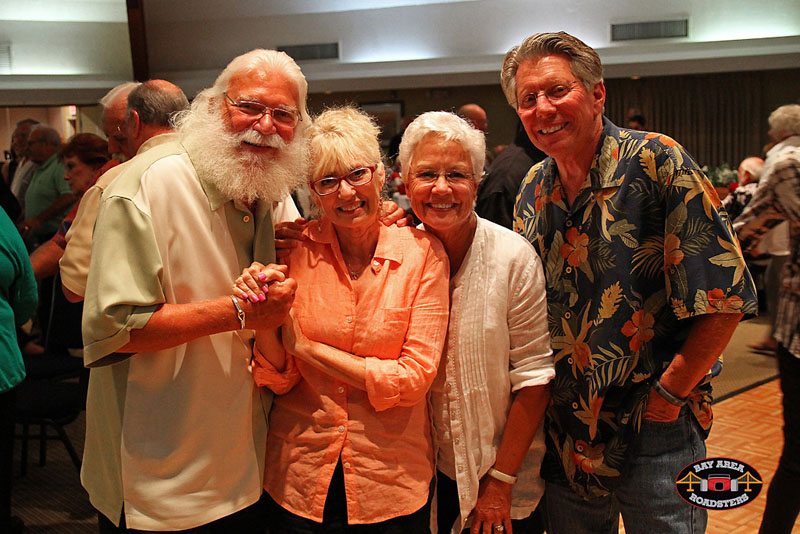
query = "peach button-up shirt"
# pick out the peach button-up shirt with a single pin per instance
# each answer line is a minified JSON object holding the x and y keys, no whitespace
{"x":398,"y":322}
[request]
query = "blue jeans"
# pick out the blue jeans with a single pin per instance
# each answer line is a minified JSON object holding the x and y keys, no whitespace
{"x":646,"y":497}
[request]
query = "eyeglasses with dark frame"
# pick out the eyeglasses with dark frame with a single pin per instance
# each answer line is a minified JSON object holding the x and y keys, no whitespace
{"x":356,"y":177}
{"x":256,"y":110}
{"x":554,"y":94}
{"x":452,"y":176}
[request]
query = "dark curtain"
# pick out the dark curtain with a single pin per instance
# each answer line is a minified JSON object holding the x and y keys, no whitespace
{"x":719,"y":118}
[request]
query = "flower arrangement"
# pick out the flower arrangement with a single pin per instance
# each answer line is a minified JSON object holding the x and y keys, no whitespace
{"x":722,"y":176}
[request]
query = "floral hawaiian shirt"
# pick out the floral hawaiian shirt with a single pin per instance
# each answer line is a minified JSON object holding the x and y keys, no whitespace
{"x":644,"y":246}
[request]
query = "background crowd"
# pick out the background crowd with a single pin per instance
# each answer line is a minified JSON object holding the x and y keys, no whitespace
{"x":274,"y":348}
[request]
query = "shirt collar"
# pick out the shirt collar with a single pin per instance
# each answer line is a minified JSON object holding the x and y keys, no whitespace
{"x":157,"y":140}
{"x":792,"y":140}
{"x":602,"y":173}
{"x":214,"y":195}
{"x":49,"y":162}
{"x":323,"y":232}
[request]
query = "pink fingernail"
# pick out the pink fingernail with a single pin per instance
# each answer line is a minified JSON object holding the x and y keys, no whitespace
{"x":244,"y":296}
{"x":262,"y":297}
{"x":254,"y":298}
{"x":265,"y":289}
{"x":262,"y":276}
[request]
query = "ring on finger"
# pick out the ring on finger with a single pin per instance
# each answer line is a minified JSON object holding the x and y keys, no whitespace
{"x":499,"y":528}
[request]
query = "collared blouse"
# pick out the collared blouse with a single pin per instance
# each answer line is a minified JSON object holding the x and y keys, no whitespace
{"x":383,"y":434}
{"x":497,"y":344}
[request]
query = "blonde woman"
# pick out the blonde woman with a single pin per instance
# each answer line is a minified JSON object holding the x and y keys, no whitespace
{"x":349,"y":446}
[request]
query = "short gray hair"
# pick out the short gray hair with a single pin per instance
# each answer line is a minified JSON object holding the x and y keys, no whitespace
{"x":156,"y":101}
{"x":452,"y":128}
{"x":49,"y":135}
{"x":583,"y":60}
{"x":785,"y":121}
{"x":343,"y":136}
{"x":110,"y":96}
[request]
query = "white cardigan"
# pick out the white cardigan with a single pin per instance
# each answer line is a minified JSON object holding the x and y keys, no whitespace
{"x":498,"y":343}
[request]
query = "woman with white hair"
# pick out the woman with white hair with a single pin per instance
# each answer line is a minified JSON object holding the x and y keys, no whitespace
{"x":349,"y":446}
{"x":491,"y":390}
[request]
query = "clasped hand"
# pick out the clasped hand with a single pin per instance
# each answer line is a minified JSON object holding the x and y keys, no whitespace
{"x":267,"y":293}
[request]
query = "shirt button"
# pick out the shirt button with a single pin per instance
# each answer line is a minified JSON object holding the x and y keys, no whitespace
{"x":341,"y":389}
{"x":341,"y":428}
{"x":349,"y":319}
{"x":246,"y":218}
{"x":347,"y":465}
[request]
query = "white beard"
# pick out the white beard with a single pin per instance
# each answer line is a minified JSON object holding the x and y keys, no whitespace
{"x":218,"y":156}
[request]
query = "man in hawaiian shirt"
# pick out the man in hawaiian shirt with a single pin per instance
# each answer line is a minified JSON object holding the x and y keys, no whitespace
{"x":645,"y":285}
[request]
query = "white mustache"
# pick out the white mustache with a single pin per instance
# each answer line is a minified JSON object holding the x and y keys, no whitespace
{"x":255,"y":138}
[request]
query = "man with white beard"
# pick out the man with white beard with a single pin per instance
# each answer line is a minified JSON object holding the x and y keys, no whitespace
{"x":183,"y":443}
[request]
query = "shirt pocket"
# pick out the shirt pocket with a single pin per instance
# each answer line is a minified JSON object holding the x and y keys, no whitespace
{"x":386,"y":333}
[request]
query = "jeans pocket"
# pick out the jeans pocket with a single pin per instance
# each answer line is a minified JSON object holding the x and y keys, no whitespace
{"x":657,"y":438}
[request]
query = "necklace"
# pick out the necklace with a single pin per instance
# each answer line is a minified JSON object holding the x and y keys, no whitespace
{"x":354,"y":273}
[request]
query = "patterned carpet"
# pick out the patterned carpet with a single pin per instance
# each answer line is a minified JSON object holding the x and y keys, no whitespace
{"x":50,"y":499}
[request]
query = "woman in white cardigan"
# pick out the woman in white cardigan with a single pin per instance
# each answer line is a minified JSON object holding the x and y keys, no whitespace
{"x":490,"y":394}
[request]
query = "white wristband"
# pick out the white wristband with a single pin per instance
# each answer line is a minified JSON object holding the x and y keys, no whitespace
{"x":502,"y":477}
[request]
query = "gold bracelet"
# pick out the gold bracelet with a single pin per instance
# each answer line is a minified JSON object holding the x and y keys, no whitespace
{"x":239,"y":312}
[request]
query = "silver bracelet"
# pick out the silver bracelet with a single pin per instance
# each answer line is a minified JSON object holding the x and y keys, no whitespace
{"x":502,"y":477}
{"x":239,"y":312}
{"x":667,"y":396}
